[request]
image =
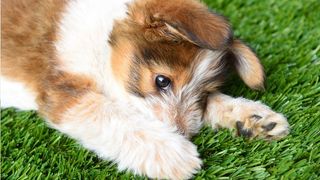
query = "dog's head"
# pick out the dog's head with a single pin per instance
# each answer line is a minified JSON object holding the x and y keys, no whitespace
{"x":172,"y":54}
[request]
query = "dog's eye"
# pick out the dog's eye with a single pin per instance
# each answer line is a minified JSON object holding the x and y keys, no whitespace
{"x":163,"y":82}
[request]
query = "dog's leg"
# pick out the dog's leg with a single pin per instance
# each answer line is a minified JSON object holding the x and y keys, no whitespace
{"x":249,"y":118}
{"x":129,"y":137}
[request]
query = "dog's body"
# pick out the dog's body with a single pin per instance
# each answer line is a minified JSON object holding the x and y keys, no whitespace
{"x":131,"y":80}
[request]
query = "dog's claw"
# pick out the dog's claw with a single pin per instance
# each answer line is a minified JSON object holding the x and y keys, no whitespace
{"x":243,"y":131}
{"x":270,"y":126}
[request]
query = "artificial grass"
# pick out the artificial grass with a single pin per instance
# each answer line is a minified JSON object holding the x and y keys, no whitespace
{"x":285,"y":35}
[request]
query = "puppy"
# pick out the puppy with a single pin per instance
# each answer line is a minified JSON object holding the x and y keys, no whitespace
{"x":131,"y":80}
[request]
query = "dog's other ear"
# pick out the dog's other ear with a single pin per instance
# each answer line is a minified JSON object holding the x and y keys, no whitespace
{"x":176,"y":20}
{"x":247,"y":65}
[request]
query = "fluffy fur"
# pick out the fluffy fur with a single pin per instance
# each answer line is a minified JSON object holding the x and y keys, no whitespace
{"x":16,"y":94}
{"x":89,"y":68}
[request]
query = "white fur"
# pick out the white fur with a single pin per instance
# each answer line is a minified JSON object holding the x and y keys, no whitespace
{"x":134,"y":139}
{"x":83,"y":39}
{"x":208,"y":67}
{"x":210,"y":59}
{"x":15,"y":94}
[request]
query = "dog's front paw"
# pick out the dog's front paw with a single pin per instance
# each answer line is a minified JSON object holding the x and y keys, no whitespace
{"x":254,"y":119}
{"x":175,"y":161}
{"x":160,"y":157}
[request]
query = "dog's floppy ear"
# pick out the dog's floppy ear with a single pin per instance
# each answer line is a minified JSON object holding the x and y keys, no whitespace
{"x":176,"y":20}
{"x":247,"y":65}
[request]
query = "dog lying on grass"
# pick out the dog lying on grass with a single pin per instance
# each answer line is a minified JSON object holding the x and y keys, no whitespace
{"x":131,"y":80}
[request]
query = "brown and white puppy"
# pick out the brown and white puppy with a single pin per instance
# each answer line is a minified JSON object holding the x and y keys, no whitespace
{"x":131,"y":80}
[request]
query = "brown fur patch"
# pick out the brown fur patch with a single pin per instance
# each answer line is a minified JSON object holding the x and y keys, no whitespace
{"x":121,"y":60}
{"x":28,"y":32}
{"x":248,"y":65}
{"x":181,"y":20}
{"x":60,"y":92}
